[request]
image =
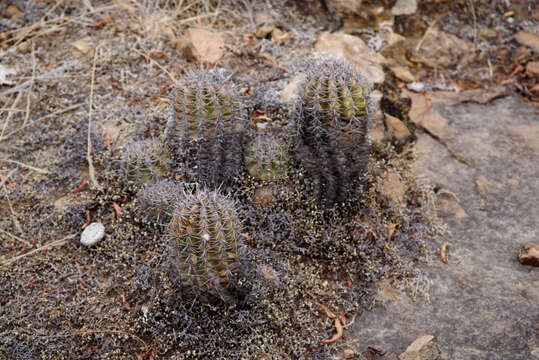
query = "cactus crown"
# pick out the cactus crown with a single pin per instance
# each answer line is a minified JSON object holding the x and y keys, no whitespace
{"x":335,"y":96}
{"x":145,"y":161}
{"x":267,"y":158}
{"x":203,"y":234}
{"x":207,"y":126}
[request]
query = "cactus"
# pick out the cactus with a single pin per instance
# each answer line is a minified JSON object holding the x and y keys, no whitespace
{"x":203,"y":237}
{"x":267,"y":158}
{"x":331,"y":118}
{"x":207,"y":126}
{"x":145,"y":161}
{"x":156,"y":201}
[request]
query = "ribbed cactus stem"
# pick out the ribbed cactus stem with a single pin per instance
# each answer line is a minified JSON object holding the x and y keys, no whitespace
{"x":207,"y":126}
{"x":203,"y":234}
{"x":331,"y":126}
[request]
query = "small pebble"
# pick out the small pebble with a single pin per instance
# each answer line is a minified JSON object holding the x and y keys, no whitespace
{"x":93,"y":233}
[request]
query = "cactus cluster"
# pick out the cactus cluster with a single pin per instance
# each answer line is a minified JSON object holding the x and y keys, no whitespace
{"x":207,"y":126}
{"x":203,"y":238}
{"x":206,"y":135}
{"x":145,"y":161}
{"x":266,"y":158}
{"x":331,"y":125}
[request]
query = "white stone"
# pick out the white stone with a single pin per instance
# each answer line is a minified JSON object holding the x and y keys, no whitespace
{"x":404,"y":7}
{"x":93,"y":233}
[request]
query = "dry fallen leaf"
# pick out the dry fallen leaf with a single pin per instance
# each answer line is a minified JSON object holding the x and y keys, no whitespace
{"x":81,"y":47}
{"x":443,"y":253}
{"x":202,"y":45}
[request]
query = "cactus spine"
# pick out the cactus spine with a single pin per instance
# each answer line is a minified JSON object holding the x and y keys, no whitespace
{"x":331,"y":126}
{"x":203,"y":236}
{"x":207,"y":126}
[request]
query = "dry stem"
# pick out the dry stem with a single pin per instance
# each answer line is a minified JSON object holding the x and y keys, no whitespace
{"x":59,"y":242}
{"x":91,"y":169}
{"x":41,"y":171}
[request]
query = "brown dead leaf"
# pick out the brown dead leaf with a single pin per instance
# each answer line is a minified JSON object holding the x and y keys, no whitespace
{"x":532,"y":68}
{"x":81,"y":47}
{"x":396,"y":130}
{"x":202,"y":45}
{"x":279,"y":36}
{"x":443,"y":252}
{"x":393,"y":188}
{"x":290,"y":91}
{"x":528,"y":39}
{"x":402,"y":73}
{"x":13,"y":12}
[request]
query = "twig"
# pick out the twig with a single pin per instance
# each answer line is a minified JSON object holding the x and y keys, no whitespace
{"x":5,"y":179}
{"x":41,"y":171}
{"x":13,"y":214}
{"x":91,"y":169}
{"x":10,"y":114}
{"x":420,"y":43}
{"x":81,"y":186}
{"x":28,"y":82}
{"x":57,"y":112}
{"x":59,"y":242}
{"x":474,"y":32}
{"x":32,"y":80}
{"x":338,"y":326}
{"x":87,"y":332}
{"x":85,"y":225}
{"x":16,"y":238}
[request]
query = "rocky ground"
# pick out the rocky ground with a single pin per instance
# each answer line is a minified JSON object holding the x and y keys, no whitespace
{"x":455,"y":87}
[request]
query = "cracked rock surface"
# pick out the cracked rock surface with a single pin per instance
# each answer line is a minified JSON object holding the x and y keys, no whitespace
{"x":483,"y":304}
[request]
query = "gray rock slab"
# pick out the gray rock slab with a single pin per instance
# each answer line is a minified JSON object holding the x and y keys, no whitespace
{"x":483,"y":303}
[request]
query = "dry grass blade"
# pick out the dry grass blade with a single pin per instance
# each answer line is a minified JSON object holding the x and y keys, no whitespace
{"x":15,"y":237}
{"x":36,"y":169}
{"x":13,"y":214}
{"x":91,"y":168}
{"x":52,"y":244}
{"x":48,"y":74}
{"x":148,"y":58}
{"x":53,"y":114}
{"x":10,"y":114}
{"x":32,"y":80}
